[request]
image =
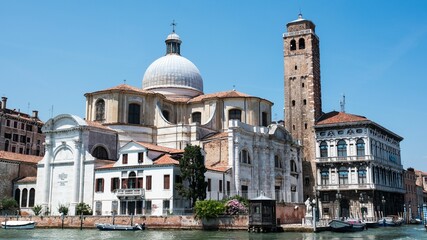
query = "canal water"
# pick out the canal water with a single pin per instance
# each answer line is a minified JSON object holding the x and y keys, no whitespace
{"x":404,"y":232}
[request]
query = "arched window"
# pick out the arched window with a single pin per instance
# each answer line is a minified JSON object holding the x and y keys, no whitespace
{"x":342,"y":148}
{"x":100,"y":110}
{"x":24,"y":197}
{"x":244,"y":157}
{"x":323,"y":149}
{"x":132,"y":180}
{"x":324,"y":176}
{"x":134,"y":113}
{"x":301,"y":43}
{"x":343,"y":175}
{"x":100,"y":153}
{"x":166,"y":115}
{"x":32,"y":197}
{"x":293,"y":166}
{"x":277,"y":161}
{"x":293,"y":45}
{"x":362,"y":174}
{"x":17,"y":195}
{"x":360,"y":145}
{"x":6,"y":145}
{"x":235,"y":114}
{"x":196,"y":117}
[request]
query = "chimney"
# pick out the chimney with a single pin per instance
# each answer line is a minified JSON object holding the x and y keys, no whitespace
{"x":3,"y":102}
{"x":35,"y":114}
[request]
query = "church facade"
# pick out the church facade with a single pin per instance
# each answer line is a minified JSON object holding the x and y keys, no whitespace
{"x":123,"y":158}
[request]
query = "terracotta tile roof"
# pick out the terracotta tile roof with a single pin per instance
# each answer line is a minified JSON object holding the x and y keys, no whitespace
{"x":27,"y":180}
{"x":219,"y":168}
{"x":165,"y":160}
{"x":123,"y":87}
{"x":111,"y":165}
{"x":158,"y":148}
{"x":17,"y":157}
{"x":226,"y":94}
{"x":339,"y":117}
{"x":98,"y":125}
{"x":22,"y":116}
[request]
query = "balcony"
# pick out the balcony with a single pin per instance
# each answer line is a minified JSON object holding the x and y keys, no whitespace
{"x":131,"y":192}
{"x":360,"y":186}
{"x":345,"y":159}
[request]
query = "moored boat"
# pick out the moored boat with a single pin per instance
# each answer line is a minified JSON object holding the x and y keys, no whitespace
{"x":18,"y":224}
{"x":371,"y":224}
{"x":346,"y":226}
{"x":114,"y":227}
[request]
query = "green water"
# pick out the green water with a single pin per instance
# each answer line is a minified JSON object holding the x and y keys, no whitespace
{"x":404,"y":232}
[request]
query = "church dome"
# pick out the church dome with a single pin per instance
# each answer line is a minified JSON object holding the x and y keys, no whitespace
{"x":173,"y":74}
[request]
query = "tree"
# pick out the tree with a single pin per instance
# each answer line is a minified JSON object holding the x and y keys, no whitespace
{"x":37,"y":209}
{"x":192,"y":166}
{"x":63,"y":209}
{"x":9,"y":206}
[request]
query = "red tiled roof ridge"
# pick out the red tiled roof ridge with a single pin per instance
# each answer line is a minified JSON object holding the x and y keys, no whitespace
{"x":155,"y":147}
{"x":339,"y":117}
{"x":230,"y":93}
{"x":123,"y":87}
{"x":166,"y":159}
{"x":11,"y":156}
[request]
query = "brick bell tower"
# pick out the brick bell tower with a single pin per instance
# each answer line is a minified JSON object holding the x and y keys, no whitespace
{"x":303,"y":104}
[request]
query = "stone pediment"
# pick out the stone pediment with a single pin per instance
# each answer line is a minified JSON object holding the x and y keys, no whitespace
{"x":63,"y":122}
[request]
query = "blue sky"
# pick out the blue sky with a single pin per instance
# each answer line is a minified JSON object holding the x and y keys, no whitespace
{"x":374,"y":52}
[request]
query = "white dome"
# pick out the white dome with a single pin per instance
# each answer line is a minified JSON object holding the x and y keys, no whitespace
{"x":173,"y":71}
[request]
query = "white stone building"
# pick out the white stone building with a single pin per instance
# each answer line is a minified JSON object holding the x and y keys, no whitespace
{"x":359,"y":169}
{"x":245,"y":153}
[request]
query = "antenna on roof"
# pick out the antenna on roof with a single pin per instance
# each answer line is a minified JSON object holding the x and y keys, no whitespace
{"x":28,"y":106}
{"x":173,"y":24}
{"x":124,"y":81}
{"x":234,"y":87}
{"x":51,"y":112}
{"x":342,"y":103}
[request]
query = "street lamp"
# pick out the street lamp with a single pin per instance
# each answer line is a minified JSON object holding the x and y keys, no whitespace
{"x":383,"y":202}
{"x":338,"y":197}
{"x":361,"y":201}
{"x":313,"y":208}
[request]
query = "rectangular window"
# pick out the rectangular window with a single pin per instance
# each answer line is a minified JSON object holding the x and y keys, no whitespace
{"x":140,"y":182}
{"x":166,"y":204}
{"x":22,"y":138}
{"x":148,"y":186}
{"x":22,"y":126}
{"x":29,"y":128}
{"x":125,"y":158}
{"x":15,"y":124}
{"x":8,"y":135}
{"x":15,"y":137}
{"x":140,"y":157}
{"x":220,"y":186}
{"x":114,"y":184}
{"x":228,"y":188}
{"x":166,"y":181}
{"x":8,"y":123}
{"x":209,"y":184}
{"x":99,"y":185}
{"x":124,"y":183}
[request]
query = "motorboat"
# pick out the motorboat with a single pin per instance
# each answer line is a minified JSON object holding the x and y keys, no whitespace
{"x":17,"y":224}
{"x":115,"y":227}
{"x":371,"y":224}
{"x":415,"y":221}
{"x":346,"y":226}
{"x":390,"y":221}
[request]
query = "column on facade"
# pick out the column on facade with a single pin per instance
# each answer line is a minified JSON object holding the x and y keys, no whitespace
{"x":256,"y":178}
{"x":235,"y":158}
{"x":47,"y":170}
{"x":76,"y":172}
{"x":82,"y":169}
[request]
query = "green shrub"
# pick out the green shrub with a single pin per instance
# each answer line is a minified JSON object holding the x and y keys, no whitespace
{"x":63,"y":209}
{"x":37,"y":209}
{"x":209,"y":209}
{"x":83,"y":209}
{"x":9,"y":206}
